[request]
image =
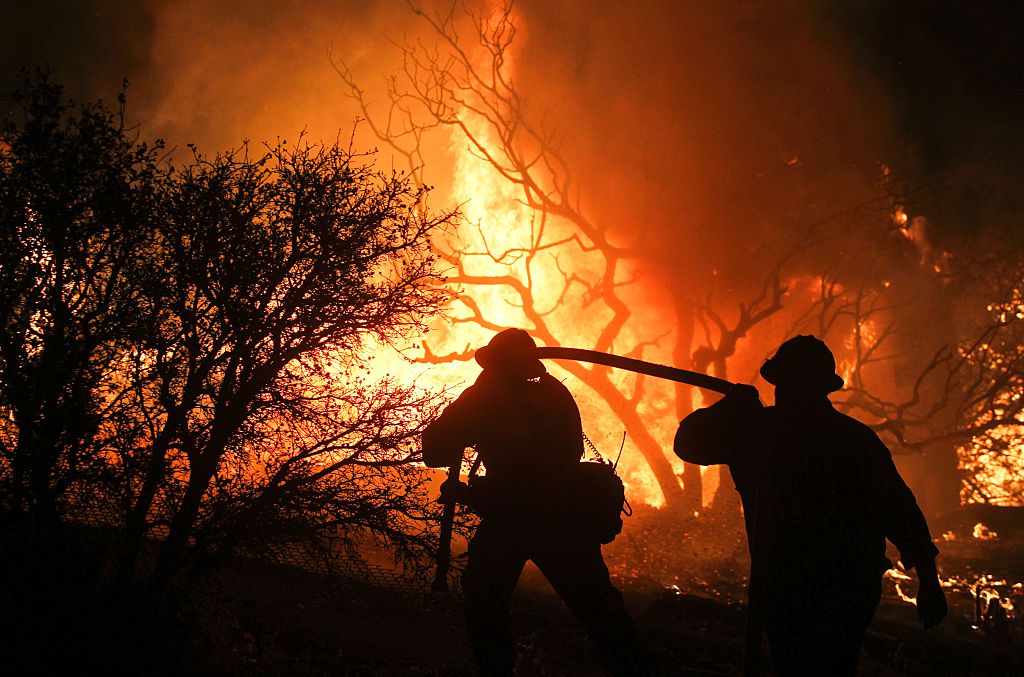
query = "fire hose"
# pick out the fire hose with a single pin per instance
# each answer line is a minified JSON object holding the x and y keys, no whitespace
{"x":693,"y":378}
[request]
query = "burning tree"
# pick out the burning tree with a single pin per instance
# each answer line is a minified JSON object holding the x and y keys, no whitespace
{"x":989,"y":407}
{"x":552,"y":263}
{"x":533,"y":255}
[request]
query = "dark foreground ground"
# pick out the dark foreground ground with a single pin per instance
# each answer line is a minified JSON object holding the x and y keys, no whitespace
{"x":310,"y":628}
{"x":259,"y":619}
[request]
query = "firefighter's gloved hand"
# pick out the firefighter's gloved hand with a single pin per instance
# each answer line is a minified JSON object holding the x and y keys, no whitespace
{"x":931,"y":602}
{"x":454,"y":491}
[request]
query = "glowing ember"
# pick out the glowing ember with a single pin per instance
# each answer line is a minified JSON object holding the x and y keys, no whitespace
{"x":983,"y":533}
{"x":899,"y":580}
{"x":979,"y":592}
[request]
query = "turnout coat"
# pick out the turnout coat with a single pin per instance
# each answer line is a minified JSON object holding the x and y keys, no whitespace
{"x":820,"y":493}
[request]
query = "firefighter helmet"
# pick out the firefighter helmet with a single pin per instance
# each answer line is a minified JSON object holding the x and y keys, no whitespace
{"x":511,"y":351}
{"x":803,"y":362}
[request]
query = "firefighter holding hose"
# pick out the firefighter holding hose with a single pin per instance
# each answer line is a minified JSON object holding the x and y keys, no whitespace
{"x":820,"y":497}
{"x":527,"y":431}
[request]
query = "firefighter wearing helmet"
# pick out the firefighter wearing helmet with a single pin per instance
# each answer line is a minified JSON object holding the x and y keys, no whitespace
{"x":527,"y":431}
{"x":820,"y":497}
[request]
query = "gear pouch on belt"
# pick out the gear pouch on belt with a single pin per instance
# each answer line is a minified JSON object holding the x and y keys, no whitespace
{"x":589,"y":497}
{"x":597,"y":499}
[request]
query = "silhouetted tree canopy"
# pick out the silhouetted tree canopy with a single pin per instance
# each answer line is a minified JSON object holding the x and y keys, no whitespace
{"x":185,"y":348}
{"x":78,"y":200}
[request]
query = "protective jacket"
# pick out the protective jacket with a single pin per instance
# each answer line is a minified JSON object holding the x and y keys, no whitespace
{"x":820,"y":491}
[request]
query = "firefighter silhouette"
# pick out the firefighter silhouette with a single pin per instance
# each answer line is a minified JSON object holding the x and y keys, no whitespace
{"x":820,"y":497}
{"x":527,"y":431}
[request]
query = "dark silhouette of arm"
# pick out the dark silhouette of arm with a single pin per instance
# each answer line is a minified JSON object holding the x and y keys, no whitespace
{"x":447,"y":437}
{"x":564,"y":423}
{"x":907,"y":529}
{"x":903,"y":522}
{"x":722,"y":431}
